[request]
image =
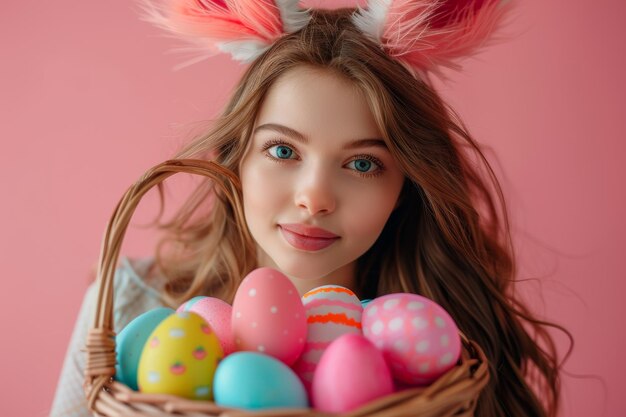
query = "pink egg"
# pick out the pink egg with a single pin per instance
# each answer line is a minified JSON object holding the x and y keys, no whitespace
{"x":351,"y":373}
{"x":268,"y":316}
{"x":218,"y":314}
{"x":418,"y":338}
{"x":331,"y":311}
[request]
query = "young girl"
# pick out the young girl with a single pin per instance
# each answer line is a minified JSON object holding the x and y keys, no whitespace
{"x":354,"y":172}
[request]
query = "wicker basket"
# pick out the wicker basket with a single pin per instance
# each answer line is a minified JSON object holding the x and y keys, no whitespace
{"x":453,"y":394}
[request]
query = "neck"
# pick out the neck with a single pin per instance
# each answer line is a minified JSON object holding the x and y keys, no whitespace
{"x":344,"y":276}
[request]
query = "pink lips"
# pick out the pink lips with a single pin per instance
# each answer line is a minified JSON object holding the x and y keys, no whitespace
{"x":304,"y":237}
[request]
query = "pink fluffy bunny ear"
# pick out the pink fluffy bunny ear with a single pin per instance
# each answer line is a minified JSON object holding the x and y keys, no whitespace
{"x":426,"y":35}
{"x":242,"y":28}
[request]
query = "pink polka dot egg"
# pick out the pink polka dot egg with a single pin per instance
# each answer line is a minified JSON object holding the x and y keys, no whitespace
{"x":268,"y":316}
{"x":418,"y":338}
{"x":217,"y":314}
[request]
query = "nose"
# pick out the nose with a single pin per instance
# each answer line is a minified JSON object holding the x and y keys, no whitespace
{"x":314,"y":191}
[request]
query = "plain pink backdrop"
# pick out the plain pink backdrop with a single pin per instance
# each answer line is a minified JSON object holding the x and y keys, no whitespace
{"x":89,"y":101}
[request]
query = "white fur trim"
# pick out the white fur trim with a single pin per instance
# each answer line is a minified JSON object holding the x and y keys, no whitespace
{"x":371,"y":21}
{"x":293,"y":17}
{"x":244,"y":51}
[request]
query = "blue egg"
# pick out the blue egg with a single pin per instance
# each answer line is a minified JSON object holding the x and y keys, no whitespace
{"x":130,"y":343}
{"x":186,"y":306}
{"x":364,"y":303}
{"x":255,"y":381}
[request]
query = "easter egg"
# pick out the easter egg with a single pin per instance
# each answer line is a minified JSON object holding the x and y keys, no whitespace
{"x":130,"y":342}
{"x":254,"y":381}
{"x":189,"y":303}
{"x":180,"y":358}
{"x":351,"y":373}
{"x":217,"y":314}
{"x":268,"y":316}
{"x":418,"y":338}
{"x":331,"y":311}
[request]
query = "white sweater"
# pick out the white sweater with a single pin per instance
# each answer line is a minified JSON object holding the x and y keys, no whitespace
{"x":132,"y":296}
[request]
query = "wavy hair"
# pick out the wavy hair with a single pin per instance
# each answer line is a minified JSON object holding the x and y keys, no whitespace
{"x":449,"y":239}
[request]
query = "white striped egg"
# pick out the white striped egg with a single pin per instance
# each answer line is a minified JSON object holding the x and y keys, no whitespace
{"x":331,"y":311}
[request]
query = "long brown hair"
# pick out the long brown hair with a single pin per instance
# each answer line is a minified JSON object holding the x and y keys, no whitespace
{"x":449,"y":239}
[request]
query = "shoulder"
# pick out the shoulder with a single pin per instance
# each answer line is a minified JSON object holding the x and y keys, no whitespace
{"x":133,"y":276}
{"x":136,"y":289}
{"x":133,"y":294}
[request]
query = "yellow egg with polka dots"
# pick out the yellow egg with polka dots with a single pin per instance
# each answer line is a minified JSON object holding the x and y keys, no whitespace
{"x":180,"y":358}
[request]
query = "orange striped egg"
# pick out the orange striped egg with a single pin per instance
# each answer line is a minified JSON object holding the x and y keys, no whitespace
{"x":331,"y":311}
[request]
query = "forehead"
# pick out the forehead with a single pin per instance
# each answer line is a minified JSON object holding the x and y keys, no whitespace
{"x":318,"y":102}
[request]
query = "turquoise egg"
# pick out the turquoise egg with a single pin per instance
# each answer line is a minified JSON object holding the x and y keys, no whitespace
{"x":364,"y":303}
{"x":186,"y":306}
{"x":130,"y":343}
{"x":257,"y":381}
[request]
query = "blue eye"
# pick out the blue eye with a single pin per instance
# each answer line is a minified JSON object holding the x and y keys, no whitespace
{"x":282,"y":152}
{"x":362,"y":165}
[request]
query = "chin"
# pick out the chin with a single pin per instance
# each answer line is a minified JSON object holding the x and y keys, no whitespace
{"x":302,"y":270}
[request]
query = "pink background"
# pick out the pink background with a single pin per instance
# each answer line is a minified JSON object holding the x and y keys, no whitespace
{"x":89,"y":101}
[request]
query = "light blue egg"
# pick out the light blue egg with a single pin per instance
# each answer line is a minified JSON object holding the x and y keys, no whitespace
{"x":256,"y":381}
{"x":186,"y":306}
{"x":130,"y":343}
{"x":364,"y":303}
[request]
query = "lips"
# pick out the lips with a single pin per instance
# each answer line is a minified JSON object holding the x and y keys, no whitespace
{"x":308,"y":231}
{"x":309,"y":238}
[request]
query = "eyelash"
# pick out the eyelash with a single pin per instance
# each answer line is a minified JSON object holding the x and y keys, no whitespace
{"x":273,"y":142}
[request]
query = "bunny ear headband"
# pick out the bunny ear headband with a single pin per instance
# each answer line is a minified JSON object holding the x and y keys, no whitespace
{"x":423,"y":35}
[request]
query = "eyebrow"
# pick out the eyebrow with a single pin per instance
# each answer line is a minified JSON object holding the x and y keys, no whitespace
{"x":287,"y":131}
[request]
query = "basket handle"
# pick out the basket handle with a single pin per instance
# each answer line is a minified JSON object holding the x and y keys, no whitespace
{"x":100,"y":346}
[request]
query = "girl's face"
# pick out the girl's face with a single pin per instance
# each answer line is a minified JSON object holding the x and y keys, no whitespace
{"x":316,"y":159}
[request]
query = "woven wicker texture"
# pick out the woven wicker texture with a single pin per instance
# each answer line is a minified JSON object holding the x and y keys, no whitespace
{"x":453,"y":394}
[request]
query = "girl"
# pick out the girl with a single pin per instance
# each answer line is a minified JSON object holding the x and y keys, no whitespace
{"x":354,"y":172}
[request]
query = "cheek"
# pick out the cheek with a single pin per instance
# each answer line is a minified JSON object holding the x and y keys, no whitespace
{"x":264,"y":190}
{"x":370,"y":212}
